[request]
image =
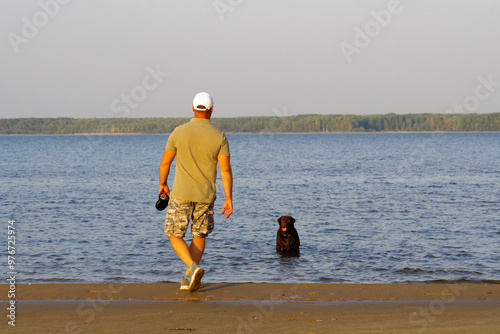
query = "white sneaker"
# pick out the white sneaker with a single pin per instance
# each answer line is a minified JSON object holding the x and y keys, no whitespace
{"x":196,"y":273}
{"x":185,"y":283}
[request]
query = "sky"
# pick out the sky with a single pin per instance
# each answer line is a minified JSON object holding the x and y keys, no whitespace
{"x":149,"y":58}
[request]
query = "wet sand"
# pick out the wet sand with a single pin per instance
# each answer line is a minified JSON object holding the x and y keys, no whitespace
{"x":254,"y":308}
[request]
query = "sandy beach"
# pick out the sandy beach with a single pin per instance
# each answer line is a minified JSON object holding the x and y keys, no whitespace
{"x":254,"y":308}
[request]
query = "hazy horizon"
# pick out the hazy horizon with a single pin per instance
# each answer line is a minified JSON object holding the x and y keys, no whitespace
{"x":272,"y":114}
{"x":130,"y":58}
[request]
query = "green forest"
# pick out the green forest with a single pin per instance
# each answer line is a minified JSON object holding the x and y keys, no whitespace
{"x":301,"y":123}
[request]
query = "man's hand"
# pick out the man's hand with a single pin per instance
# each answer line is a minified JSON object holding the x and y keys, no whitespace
{"x":164,"y":190}
{"x":227,"y":208}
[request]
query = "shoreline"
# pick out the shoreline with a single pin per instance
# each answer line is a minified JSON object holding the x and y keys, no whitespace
{"x":255,"y":308}
{"x":256,"y":291}
{"x":241,"y":133}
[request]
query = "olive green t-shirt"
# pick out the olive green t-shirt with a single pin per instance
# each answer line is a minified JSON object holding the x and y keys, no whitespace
{"x":197,"y":145}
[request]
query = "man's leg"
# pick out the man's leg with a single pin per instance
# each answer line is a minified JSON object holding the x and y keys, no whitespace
{"x":196,"y":250}
{"x":190,"y":254}
{"x":181,"y":248}
{"x":177,"y":219}
{"x":176,"y":225}
{"x":202,"y":225}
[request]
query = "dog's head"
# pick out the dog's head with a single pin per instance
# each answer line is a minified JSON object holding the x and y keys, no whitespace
{"x":286,"y":223}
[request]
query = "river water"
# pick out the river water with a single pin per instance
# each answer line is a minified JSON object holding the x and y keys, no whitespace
{"x":370,"y":208}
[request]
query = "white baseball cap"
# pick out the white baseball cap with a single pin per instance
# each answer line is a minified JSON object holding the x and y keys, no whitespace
{"x":203,"y":99}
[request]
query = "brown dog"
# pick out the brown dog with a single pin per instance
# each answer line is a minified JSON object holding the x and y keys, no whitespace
{"x":287,"y":240}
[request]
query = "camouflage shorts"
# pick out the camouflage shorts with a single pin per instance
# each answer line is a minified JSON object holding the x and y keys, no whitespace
{"x":180,"y":212}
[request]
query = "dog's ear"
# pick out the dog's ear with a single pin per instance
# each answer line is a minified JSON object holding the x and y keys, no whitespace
{"x":279,"y":220}
{"x":292,"y":220}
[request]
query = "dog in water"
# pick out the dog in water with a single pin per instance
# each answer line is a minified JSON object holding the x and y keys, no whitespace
{"x":287,"y":240}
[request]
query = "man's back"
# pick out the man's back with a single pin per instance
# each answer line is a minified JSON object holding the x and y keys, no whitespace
{"x":197,"y":145}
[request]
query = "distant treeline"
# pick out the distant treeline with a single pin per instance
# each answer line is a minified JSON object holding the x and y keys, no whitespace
{"x":301,"y":123}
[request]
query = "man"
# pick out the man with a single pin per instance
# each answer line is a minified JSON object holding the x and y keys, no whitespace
{"x":198,"y":146}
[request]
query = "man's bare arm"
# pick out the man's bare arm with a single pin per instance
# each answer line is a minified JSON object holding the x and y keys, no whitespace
{"x":164,"y":170}
{"x":226,"y":175}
